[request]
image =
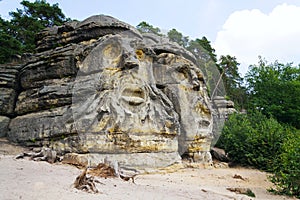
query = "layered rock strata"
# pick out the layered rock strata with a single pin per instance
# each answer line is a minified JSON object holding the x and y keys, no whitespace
{"x":101,"y":89}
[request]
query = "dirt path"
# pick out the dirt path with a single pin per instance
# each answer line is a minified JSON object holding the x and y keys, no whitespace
{"x":29,"y":180}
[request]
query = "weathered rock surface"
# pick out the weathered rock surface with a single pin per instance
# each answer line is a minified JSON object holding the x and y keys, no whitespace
{"x":4,"y":121}
{"x":8,"y":88}
{"x":225,"y":107}
{"x":102,"y":89}
{"x":76,"y":32}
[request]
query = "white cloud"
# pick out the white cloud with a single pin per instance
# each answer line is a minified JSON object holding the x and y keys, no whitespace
{"x":247,"y":34}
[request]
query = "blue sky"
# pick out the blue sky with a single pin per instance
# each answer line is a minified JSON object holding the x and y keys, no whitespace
{"x":244,"y":29}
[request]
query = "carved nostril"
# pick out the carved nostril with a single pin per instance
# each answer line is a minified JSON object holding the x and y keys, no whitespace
{"x":130,"y":65}
{"x":130,"y":61}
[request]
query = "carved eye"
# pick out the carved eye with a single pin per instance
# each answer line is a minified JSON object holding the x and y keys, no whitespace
{"x":139,"y":54}
{"x":112,"y":51}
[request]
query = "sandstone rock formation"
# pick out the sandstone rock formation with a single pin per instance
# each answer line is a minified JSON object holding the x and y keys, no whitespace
{"x":102,"y":89}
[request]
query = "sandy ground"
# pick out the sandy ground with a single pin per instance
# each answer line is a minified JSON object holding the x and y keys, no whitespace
{"x":30,"y":180}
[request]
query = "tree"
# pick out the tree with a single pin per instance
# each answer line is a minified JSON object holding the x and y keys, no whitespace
{"x":9,"y":46}
{"x":176,"y":36}
{"x":202,"y":49}
{"x":207,"y":62}
{"x":232,"y":80}
{"x":144,"y":27}
{"x":18,"y":34}
{"x":274,"y":89}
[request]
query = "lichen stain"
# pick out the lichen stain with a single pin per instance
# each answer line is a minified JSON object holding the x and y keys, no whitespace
{"x":197,"y":144}
{"x":202,"y":108}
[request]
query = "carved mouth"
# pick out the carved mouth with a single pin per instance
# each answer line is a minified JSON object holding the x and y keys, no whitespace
{"x":133,"y":95}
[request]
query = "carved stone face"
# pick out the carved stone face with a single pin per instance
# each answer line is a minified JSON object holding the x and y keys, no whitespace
{"x":123,"y":109}
{"x":183,"y":83}
{"x":130,"y":99}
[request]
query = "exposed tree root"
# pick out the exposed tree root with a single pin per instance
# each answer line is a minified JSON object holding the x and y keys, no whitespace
{"x":86,"y":180}
{"x":102,"y":170}
{"x":85,"y":183}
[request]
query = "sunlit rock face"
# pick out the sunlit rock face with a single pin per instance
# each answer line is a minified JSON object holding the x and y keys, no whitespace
{"x":123,"y":109}
{"x":102,"y":89}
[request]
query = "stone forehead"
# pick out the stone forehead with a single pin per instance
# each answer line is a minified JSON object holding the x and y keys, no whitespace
{"x":156,"y":42}
{"x":150,"y":42}
{"x":162,"y":44}
{"x":107,"y":21}
{"x":98,"y":26}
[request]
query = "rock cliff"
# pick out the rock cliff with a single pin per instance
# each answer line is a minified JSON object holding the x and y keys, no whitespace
{"x":102,"y":90}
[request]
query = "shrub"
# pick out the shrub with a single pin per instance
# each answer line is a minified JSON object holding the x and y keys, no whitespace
{"x":252,"y":140}
{"x":258,"y":141}
{"x":287,"y":173}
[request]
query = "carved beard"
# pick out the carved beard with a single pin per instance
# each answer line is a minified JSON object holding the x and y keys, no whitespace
{"x":134,"y":116}
{"x":118,"y":104}
{"x":132,"y":107}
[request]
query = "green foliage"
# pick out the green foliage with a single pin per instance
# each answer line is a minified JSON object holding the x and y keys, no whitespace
{"x":176,"y":36}
{"x":18,"y":34}
{"x":9,"y":46}
{"x":207,"y":62}
{"x":26,"y":22}
{"x":232,"y":81}
{"x":287,"y":172}
{"x":250,"y":193}
{"x":252,"y":139}
{"x":144,"y":27}
{"x":256,"y":140}
{"x":202,"y":49}
{"x":274,"y":89}
{"x":213,"y":79}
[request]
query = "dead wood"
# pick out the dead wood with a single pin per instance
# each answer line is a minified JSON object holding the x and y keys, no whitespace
{"x":102,"y":170}
{"x":85,"y":183}
{"x":237,"y":176}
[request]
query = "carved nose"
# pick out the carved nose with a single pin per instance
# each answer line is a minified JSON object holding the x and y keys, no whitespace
{"x":130,"y":61}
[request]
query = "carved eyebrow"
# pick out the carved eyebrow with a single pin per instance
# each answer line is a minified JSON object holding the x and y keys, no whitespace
{"x":149,"y":51}
{"x":160,"y":51}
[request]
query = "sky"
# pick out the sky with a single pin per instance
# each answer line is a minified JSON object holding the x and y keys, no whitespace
{"x":245,"y":29}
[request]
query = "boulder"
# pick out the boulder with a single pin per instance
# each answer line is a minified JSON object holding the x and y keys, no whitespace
{"x":99,"y":88}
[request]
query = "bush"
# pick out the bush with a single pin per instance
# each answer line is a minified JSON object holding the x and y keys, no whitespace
{"x":261,"y":142}
{"x":252,"y":140}
{"x":287,"y":173}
